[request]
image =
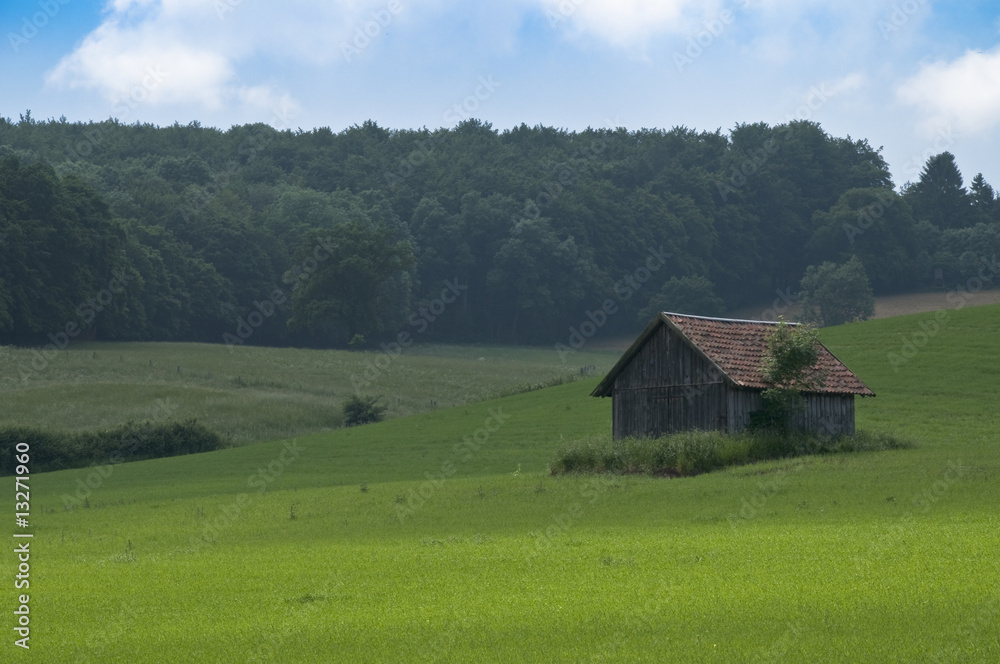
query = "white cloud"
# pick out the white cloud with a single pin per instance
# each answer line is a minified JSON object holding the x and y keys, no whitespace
{"x":200,"y":49}
{"x":144,"y":67}
{"x":630,"y":24}
{"x":964,"y":92}
{"x":849,"y":83}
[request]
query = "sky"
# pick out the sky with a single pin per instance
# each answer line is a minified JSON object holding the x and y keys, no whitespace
{"x":913,"y":77}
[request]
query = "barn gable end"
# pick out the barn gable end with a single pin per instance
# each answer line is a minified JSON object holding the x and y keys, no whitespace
{"x":669,"y":386}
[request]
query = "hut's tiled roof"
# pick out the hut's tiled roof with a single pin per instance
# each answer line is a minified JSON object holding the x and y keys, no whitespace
{"x":737,"y":348}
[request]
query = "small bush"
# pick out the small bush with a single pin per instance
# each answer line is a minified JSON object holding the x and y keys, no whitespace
{"x":363,"y":410}
{"x":695,"y":452}
{"x":129,"y":442}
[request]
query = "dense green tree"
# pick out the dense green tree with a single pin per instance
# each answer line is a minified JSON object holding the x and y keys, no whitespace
{"x":877,"y":226}
{"x":939,"y":195}
{"x":790,"y":354}
{"x":533,"y":226}
{"x":687,"y":295}
{"x":178,"y":295}
{"x":60,"y":249}
{"x":971,"y":250}
{"x":537,"y":278}
{"x":984,"y":200}
{"x":345,"y":293}
{"x":834,"y":294}
{"x":444,"y":245}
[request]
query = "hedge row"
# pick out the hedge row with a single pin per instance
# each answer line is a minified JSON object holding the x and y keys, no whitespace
{"x":130,"y":442}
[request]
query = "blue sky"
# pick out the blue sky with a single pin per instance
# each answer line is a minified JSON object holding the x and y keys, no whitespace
{"x":916,"y":77}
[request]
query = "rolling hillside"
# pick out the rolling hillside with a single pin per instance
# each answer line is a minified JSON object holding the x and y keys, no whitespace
{"x":441,"y":537}
{"x":251,"y":394}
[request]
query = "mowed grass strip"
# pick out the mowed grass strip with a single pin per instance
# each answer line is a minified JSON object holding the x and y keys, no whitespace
{"x":362,"y":547}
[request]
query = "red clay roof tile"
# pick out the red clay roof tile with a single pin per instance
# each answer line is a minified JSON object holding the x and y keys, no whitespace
{"x":738,"y":346}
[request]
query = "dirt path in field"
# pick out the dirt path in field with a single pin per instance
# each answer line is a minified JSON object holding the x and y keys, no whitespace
{"x":885,"y":307}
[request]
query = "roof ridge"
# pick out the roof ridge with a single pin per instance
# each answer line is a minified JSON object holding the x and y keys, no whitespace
{"x":732,"y":320}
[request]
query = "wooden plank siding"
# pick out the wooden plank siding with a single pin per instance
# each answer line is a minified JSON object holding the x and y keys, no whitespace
{"x":669,"y":386}
{"x":741,"y":403}
{"x":831,"y":414}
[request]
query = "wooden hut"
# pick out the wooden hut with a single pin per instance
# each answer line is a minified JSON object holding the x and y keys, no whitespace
{"x":690,"y":372}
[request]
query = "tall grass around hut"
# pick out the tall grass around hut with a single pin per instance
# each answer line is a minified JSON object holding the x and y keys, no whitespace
{"x":695,"y":452}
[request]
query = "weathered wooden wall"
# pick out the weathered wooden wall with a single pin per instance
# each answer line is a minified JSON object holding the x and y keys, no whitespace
{"x":741,"y":403}
{"x":668,"y":387}
{"x":831,"y":414}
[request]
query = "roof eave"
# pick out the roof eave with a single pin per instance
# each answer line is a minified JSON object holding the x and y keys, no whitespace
{"x":606,"y":387}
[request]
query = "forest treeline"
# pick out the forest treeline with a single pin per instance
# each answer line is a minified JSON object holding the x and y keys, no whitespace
{"x":468,"y":234}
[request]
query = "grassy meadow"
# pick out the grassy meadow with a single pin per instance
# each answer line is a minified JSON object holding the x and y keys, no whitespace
{"x":442,"y":537}
{"x":251,"y":394}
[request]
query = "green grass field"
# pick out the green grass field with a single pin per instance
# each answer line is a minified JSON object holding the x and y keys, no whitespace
{"x":442,"y":537}
{"x":251,"y":394}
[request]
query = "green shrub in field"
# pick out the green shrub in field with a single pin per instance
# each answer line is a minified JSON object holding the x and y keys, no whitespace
{"x":129,"y":442}
{"x":695,"y":452}
{"x":44,"y":448}
{"x":363,"y":410}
